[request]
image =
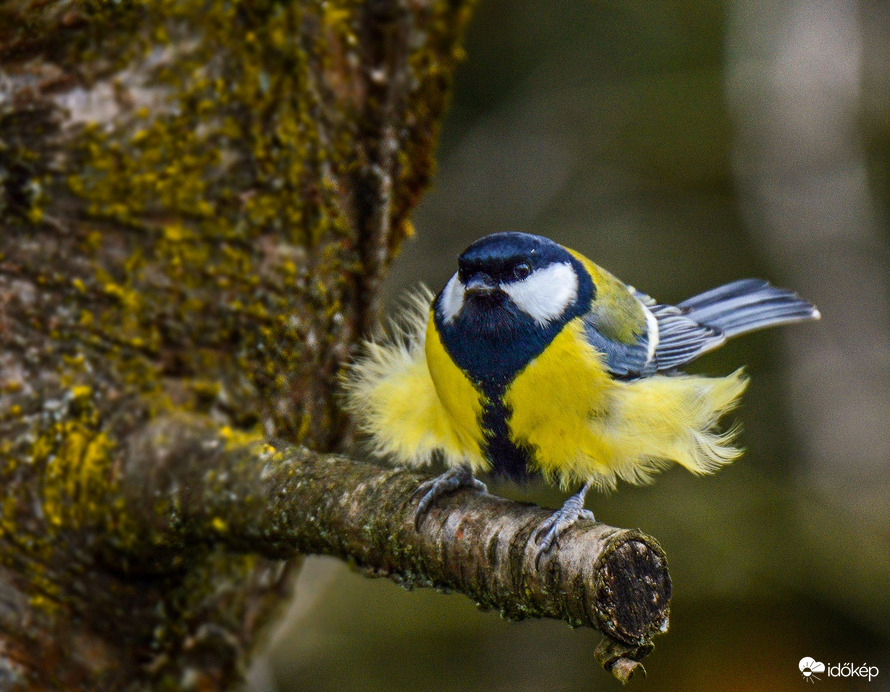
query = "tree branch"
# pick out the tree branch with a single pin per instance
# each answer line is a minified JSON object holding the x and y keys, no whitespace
{"x":280,"y":502}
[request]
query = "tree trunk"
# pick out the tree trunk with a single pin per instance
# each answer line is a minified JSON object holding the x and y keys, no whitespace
{"x":198,"y":202}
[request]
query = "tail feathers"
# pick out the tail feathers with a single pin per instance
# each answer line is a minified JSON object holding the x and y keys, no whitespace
{"x":747,"y":305}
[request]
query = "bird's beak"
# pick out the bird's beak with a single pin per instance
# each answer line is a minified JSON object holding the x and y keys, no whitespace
{"x":480,"y":284}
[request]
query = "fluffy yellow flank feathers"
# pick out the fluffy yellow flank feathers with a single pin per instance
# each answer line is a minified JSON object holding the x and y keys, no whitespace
{"x":606,"y":428}
{"x":390,"y":392}
{"x":581,"y":424}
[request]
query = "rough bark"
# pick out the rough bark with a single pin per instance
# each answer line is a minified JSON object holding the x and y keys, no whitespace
{"x":280,"y":502}
{"x":198,"y":202}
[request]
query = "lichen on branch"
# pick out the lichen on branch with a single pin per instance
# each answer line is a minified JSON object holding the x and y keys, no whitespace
{"x":276,"y":502}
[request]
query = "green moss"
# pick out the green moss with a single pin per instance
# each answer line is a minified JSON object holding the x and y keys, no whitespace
{"x":221,"y":179}
{"x":215,"y":255}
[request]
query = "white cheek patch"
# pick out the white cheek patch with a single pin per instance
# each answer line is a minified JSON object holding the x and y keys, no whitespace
{"x":452,"y":299}
{"x":546,"y":293}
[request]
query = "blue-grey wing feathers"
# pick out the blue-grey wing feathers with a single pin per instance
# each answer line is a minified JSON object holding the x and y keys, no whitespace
{"x":700,"y":324}
{"x":622,"y":360}
{"x":681,"y":338}
{"x":745,"y":305}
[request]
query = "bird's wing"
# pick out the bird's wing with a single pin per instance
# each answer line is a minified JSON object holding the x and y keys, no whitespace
{"x":621,"y":359}
{"x":704,"y":322}
{"x":668,"y":336}
{"x":678,"y":338}
{"x":637,"y":335}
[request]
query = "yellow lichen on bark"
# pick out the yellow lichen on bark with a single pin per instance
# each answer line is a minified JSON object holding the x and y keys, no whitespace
{"x":200,"y":199}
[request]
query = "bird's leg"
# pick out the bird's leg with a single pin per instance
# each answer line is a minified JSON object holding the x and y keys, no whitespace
{"x":454,"y":478}
{"x":571,"y":511}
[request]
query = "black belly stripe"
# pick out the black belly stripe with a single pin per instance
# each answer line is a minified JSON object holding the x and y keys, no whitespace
{"x":508,"y":459}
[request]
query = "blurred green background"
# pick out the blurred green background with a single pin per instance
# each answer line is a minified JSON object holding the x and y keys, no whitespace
{"x":680,"y":145}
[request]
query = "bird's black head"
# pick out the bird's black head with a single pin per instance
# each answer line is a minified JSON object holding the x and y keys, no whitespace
{"x":511,"y":295}
{"x":506,"y":279}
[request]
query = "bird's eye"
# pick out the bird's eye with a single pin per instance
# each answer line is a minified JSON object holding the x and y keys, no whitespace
{"x":521,"y":270}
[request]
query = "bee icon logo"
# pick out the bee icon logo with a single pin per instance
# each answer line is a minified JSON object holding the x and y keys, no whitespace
{"x":809,"y":667}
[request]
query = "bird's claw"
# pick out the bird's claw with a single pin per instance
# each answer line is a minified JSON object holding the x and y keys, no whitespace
{"x":431,"y":490}
{"x":550,"y":530}
{"x":548,"y":533}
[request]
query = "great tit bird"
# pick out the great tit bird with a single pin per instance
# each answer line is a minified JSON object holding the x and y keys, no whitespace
{"x":532,"y":360}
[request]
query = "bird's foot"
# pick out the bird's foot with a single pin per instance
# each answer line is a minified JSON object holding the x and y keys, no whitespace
{"x":453,"y":479}
{"x":571,"y":511}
